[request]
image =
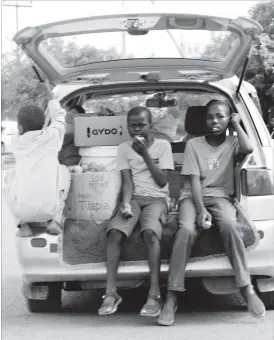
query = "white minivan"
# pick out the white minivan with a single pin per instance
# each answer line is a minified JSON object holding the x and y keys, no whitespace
{"x":100,"y":67}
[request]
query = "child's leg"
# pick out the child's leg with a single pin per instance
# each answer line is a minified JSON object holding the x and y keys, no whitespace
{"x":153,"y":304}
{"x":152,"y":243}
{"x":55,"y":226}
{"x":111,"y":299}
{"x":118,"y":228}
{"x":224,"y":214}
{"x":114,"y":240}
{"x":151,"y":222}
{"x":184,"y":240}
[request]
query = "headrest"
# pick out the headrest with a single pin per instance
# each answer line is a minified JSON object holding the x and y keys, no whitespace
{"x":195,"y":120}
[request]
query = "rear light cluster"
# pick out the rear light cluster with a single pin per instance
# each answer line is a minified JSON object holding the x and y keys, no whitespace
{"x":257,"y":182}
{"x":38,"y":242}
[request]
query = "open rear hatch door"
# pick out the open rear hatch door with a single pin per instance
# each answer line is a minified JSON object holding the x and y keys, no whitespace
{"x":128,"y":47}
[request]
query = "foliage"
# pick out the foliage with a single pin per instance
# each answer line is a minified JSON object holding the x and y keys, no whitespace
{"x":20,"y":85}
{"x":260,"y":70}
{"x":261,"y":67}
{"x":70,"y":53}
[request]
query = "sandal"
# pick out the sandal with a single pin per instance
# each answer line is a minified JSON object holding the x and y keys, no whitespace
{"x":167,"y":315}
{"x":152,"y":309}
{"x":110,"y":304}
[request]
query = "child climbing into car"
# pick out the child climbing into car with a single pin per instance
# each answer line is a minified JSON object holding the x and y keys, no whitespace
{"x":38,"y":186}
{"x":209,"y":163}
{"x":144,"y":163}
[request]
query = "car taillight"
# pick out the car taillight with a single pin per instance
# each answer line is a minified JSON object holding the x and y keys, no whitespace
{"x":38,"y":242}
{"x":257,"y":182}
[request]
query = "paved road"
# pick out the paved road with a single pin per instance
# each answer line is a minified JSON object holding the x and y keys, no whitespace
{"x":7,"y":161}
{"x":220,"y":319}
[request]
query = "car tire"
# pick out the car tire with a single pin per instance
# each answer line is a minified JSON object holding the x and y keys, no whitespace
{"x":268,"y":299}
{"x":52,"y":304}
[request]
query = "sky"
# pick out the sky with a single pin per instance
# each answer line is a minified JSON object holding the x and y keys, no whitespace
{"x":43,"y":12}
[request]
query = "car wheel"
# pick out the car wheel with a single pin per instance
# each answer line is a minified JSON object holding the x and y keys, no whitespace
{"x":51,"y":304}
{"x":2,"y":148}
{"x":268,"y":299}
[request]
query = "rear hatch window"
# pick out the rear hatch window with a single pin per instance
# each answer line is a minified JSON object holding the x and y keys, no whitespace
{"x":83,"y":49}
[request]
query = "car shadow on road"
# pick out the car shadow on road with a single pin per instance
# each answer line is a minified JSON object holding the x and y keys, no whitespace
{"x":88,"y":303}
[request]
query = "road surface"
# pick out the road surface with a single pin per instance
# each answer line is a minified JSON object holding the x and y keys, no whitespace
{"x":219,"y":320}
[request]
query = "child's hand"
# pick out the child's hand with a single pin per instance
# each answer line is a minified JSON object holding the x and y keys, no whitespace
{"x":126,"y":210}
{"x":204,"y":219}
{"x":139,"y":146}
{"x":235,"y":119}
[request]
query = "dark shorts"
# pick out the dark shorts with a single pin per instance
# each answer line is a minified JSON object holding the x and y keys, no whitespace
{"x":149,"y":211}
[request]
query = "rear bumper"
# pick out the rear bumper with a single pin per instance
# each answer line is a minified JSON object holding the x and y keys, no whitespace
{"x":45,"y":264}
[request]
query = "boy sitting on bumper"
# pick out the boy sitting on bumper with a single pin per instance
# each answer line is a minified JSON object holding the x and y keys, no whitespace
{"x":144,"y":163}
{"x":209,"y":164}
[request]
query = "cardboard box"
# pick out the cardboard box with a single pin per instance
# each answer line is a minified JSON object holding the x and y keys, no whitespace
{"x":93,"y":196}
{"x":95,"y":131}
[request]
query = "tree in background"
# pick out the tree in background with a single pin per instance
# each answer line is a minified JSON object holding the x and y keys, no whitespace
{"x":69,"y":53}
{"x":260,"y":70}
{"x":20,"y":84}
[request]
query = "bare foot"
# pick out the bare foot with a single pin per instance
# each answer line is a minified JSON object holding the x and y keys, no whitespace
{"x":254,"y":303}
{"x":24,"y":230}
{"x":167,"y":315}
{"x":54,"y":228}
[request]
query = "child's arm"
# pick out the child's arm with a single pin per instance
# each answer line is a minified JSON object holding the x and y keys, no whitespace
{"x":245,"y":147}
{"x":202,"y":214}
{"x":58,"y":123}
{"x":191,"y":168}
{"x":160,"y":176}
{"x":127,"y":192}
{"x":56,"y":114}
{"x":159,"y":173}
{"x":127,"y":182}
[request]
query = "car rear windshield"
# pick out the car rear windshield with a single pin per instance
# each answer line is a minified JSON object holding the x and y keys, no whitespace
{"x":75,"y":50}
